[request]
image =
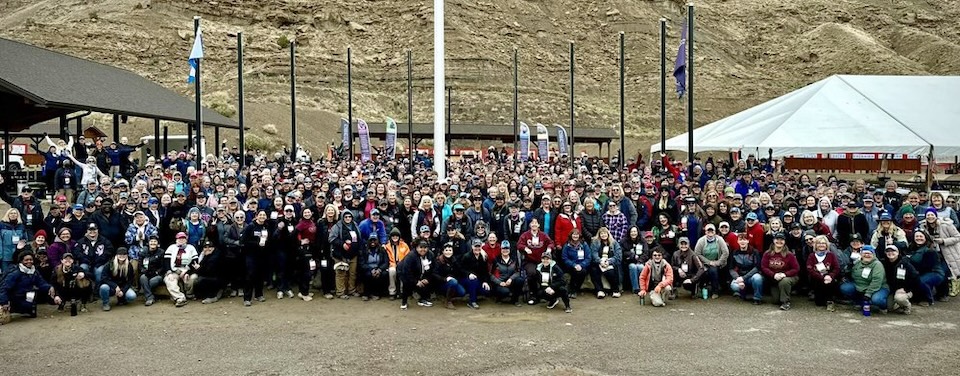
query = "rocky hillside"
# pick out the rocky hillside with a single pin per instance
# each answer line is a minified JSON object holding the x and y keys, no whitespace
{"x":748,"y":51}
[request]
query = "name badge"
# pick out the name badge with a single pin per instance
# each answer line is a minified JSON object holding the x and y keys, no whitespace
{"x":256,"y":234}
{"x":273,"y":215}
{"x":66,"y":181}
{"x":30,"y":296}
{"x":901,"y":273}
{"x":865,"y":273}
{"x":544,"y":278}
{"x":535,"y":241}
{"x":353,"y":235}
{"x":290,"y":228}
{"x":821,"y":268}
{"x":16,"y":238}
{"x":146,"y":263}
{"x":29,"y":218}
{"x":323,"y":263}
{"x":580,"y":254}
{"x":684,"y":267}
{"x":606,"y":250}
{"x":313,"y":265}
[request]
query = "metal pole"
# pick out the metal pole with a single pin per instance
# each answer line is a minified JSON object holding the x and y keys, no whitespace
{"x":116,"y":128}
{"x":350,"y":100}
{"x":690,"y":62}
{"x":449,"y":137}
{"x":196,"y":85}
{"x":572,"y":107}
{"x":413,"y":148}
{"x":241,"y":145}
{"x":439,"y":162}
{"x":64,"y":123}
{"x":663,"y":85}
{"x":79,"y":131}
{"x":623,"y":113}
{"x":165,"y":133}
{"x":156,"y":139}
{"x":293,"y":100}
{"x":6,"y":149}
{"x":216,"y":140}
{"x":516,"y":97}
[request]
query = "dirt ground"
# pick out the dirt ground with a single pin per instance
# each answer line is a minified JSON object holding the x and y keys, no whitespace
{"x":605,"y":337}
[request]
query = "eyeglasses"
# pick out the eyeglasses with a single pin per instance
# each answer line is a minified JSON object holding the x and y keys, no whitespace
{"x":710,"y":230}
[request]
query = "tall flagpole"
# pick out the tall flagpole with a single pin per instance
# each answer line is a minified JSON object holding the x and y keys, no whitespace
{"x":196,"y":86}
{"x":572,"y":109}
{"x":663,"y":85}
{"x":241,"y":145}
{"x":349,"y":148}
{"x":516,"y":95}
{"x":413,"y":149}
{"x":690,"y":85}
{"x":439,"y":161}
{"x":293,"y":100}
{"x":623,"y":112}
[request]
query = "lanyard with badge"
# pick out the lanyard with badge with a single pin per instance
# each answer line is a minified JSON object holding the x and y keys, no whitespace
{"x":901,"y":272}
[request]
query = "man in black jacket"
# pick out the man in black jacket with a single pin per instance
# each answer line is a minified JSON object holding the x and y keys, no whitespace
{"x":414,"y":272}
{"x":93,"y":251}
{"x":550,"y":285}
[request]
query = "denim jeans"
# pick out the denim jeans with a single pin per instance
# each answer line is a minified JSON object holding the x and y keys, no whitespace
{"x":755,"y":282}
{"x":927,"y":283}
{"x":713,"y":275}
{"x":453,"y":287}
{"x":106,"y":292}
{"x":634,"y":282}
{"x":98,"y":273}
{"x":878,"y":299}
{"x":473,"y":288}
{"x":148,"y":284}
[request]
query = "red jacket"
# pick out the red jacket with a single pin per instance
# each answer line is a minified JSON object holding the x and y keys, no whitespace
{"x":564,"y":226}
{"x":831,"y":264}
{"x":537,"y":247}
{"x":755,"y":234}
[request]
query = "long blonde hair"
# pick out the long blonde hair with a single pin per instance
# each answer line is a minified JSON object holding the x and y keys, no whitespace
{"x":120,"y":270}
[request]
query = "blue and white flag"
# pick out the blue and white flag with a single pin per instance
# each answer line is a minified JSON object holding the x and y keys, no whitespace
{"x":561,"y":139}
{"x":524,"y":141}
{"x":680,"y":67}
{"x":390,"y":144}
{"x":195,"y":54}
{"x":543,"y":142}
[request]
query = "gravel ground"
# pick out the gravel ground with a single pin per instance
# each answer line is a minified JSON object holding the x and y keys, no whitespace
{"x":606,"y":337}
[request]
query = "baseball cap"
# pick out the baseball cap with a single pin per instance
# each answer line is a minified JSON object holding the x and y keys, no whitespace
{"x":181,"y":235}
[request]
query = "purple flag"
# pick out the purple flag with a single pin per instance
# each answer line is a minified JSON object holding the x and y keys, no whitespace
{"x":364,"y":133}
{"x":524,"y":142}
{"x":345,"y":133}
{"x":680,"y":68}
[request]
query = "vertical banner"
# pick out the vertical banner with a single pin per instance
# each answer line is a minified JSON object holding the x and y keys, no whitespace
{"x":345,"y":142}
{"x":524,"y":141}
{"x":364,"y":133}
{"x":543,"y":142}
{"x":390,"y":144}
{"x":561,"y":140}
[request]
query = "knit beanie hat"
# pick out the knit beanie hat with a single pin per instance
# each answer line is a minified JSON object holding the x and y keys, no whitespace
{"x":929,"y":210}
{"x":906,"y":209}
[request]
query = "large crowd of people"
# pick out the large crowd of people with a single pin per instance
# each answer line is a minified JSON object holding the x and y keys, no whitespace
{"x":508,"y":231}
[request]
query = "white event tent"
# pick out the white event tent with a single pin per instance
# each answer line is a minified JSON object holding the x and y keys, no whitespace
{"x":843,"y":114}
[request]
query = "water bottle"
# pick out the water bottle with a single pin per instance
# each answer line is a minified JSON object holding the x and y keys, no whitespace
{"x":703,"y":292}
{"x":866,"y":308}
{"x":73,"y":308}
{"x":642,"y":298}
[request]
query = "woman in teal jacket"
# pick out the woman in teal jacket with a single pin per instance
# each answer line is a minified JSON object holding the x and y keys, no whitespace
{"x":13,"y":239}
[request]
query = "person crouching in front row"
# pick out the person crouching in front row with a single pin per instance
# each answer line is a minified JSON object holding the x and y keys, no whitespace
{"x":548,"y":278}
{"x":656,"y":279}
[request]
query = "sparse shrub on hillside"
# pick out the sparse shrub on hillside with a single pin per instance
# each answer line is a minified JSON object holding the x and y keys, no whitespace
{"x":283,"y":42}
{"x":270,"y":129}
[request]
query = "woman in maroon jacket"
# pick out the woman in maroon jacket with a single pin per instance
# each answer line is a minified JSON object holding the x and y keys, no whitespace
{"x":780,"y":268}
{"x":532,"y":245}
{"x":823,"y":272}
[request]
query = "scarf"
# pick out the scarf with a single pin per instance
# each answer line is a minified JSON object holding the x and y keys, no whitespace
{"x":657,"y":271}
{"x":26,"y":270}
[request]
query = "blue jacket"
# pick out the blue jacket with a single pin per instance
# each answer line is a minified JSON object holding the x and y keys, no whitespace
{"x":16,"y":284}
{"x":367,"y":227}
{"x":744,"y":189}
{"x":571,"y":256}
{"x":9,"y":236}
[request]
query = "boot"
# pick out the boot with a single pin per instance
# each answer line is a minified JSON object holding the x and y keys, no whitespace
{"x":450,"y":295}
{"x":954,"y":287}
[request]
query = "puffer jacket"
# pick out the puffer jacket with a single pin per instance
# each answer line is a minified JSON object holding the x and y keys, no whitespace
{"x":950,"y":249}
{"x":504,"y":270}
{"x":745,"y":264}
{"x":17,"y":284}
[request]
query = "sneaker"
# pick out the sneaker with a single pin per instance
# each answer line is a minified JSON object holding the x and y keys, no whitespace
{"x":473,"y":305}
{"x":365,"y":298}
{"x":279,"y":294}
{"x":449,"y":305}
{"x":518,"y":304}
{"x":553,"y":304}
{"x":573,"y":295}
{"x":393,"y":297}
{"x":924,"y":303}
{"x":831,"y":307}
{"x":305,"y":298}
{"x":328,"y":296}
{"x":106,"y":307}
{"x":149,"y":302}
{"x":289,"y":293}
{"x":568,"y":310}
{"x":376,"y":297}
{"x":616,"y":294}
{"x":907,"y":310}
{"x":715,"y":296}
{"x":601,"y":295}
{"x":247,"y":303}
{"x":356,"y":294}
{"x":403,"y":307}
{"x":209,"y":301}
{"x":83,"y":307}
{"x":261,"y":299}
{"x":234,"y":293}
{"x":531,"y":302}
{"x":785,"y":306}
{"x":344,"y":296}
{"x":757,"y":302}
{"x":180,"y":303}
{"x":424,"y":303}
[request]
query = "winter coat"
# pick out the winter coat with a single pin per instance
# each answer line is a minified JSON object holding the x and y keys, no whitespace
{"x":565,"y":225}
{"x":831,"y":264}
{"x":579,"y":254}
{"x":950,"y":249}
{"x":345,"y":233}
{"x":870,"y":281}
{"x":722,"y":251}
{"x":745,"y":264}
{"x":10,"y":235}
{"x":504,"y":270}
{"x":396,"y":252}
{"x":695,"y":269}
{"x":96,"y":252}
{"x":646,"y":276}
{"x":893,"y":274}
{"x":548,"y":276}
{"x":592,"y":222}
{"x":925,"y":261}
{"x":476,"y":265}
{"x":411,"y":269}
{"x":849,"y":224}
{"x":124,"y":282}
{"x":136,"y":244}
{"x":17,"y":284}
